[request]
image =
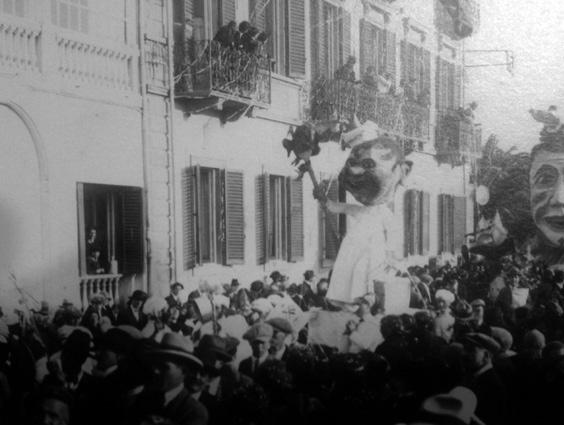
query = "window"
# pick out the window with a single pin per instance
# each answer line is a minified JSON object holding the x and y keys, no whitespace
{"x":213,"y":216}
{"x":377,"y":49}
{"x":332,"y":226}
{"x":416,"y":222}
{"x":416,"y":71}
{"x":279,"y":218}
{"x":446,"y":223}
{"x":330,"y":37}
{"x":284,"y":22}
{"x":115,"y":213}
{"x":18,"y":8}
{"x":448,"y":85}
{"x":107,"y":19}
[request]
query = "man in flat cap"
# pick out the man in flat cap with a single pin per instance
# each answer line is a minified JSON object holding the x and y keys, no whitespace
{"x":479,"y":351}
{"x":282,"y":329}
{"x":172,"y":365}
{"x":259,"y":336}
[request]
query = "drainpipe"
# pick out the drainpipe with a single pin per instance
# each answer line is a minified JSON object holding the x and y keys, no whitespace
{"x":144,"y":139}
{"x":171,"y":168}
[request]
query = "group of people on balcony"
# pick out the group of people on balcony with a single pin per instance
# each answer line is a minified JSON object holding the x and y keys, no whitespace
{"x":244,"y":37}
{"x":383,"y":82}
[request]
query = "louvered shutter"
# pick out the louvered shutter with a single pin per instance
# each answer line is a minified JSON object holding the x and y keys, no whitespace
{"x":416,"y":227}
{"x":296,"y":38}
{"x":459,"y":221}
{"x":329,"y":231}
{"x":404,"y":66}
{"x":315,"y":47}
{"x":426,"y":71}
{"x":257,"y":13}
{"x":188,"y":9}
{"x":457,"y":86}
{"x":81,"y":228}
{"x":296,"y":219}
{"x":407,"y":223}
{"x":262,"y":208}
{"x":390,"y":53}
{"x":234,"y":218}
{"x":438,"y":84}
{"x":132,"y":231}
{"x":346,"y":35}
{"x":364,"y":50}
{"x":227,"y":11}
{"x":425,"y":222}
{"x":189,"y":218}
{"x":443,"y":224}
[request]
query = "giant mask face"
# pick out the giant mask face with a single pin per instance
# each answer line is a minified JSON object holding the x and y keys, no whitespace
{"x":546,"y":179}
{"x":373,"y":170}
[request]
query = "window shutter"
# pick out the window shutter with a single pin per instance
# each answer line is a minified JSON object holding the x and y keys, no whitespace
{"x":459,"y":221}
{"x":457,"y":86}
{"x":262,"y":196}
{"x":442,"y":224}
{"x":407,"y":223}
{"x":234,"y":218}
{"x":404,"y":61}
{"x":330,"y":228}
{"x":364,"y":50}
{"x":257,"y":13}
{"x":132,"y":228}
{"x":189,"y":218}
{"x":296,"y":219}
{"x":318,"y":40}
{"x":438,"y":83}
{"x":426,"y":71}
{"x":416,"y":228}
{"x":296,"y":38}
{"x":390,"y":53}
{"x":81,"y":228}
{"x":227,"y":11}
{"x":425,"y":221}
{"x":345,"y":35}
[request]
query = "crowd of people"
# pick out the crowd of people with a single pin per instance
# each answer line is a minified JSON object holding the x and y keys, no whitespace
{"x":481,"y":343}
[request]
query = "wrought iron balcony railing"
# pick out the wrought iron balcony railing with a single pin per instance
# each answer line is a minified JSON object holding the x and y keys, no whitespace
{"x":206,"y":69}
{"x":394,"y":114}
{"x":457,"y":138}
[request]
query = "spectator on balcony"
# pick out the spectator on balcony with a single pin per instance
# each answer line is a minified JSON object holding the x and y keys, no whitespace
{"x":467,"y":114}
{"x":346,"y":72}
{"x":250,"y":38}
{"x":226,"y":36}
{"x":370,"y":77}
{"x":384,"y":82}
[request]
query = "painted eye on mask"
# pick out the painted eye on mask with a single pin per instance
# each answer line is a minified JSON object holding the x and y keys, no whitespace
{"x":366,"y":163}
{"x":546,"y":177}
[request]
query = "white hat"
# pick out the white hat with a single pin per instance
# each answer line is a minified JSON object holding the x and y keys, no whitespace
{"x":445,"y":295}
{"x":361,"y":133}
{"x":262,"y":305}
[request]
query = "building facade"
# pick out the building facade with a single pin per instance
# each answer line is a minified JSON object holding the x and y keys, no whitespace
{"x":126,"y":118}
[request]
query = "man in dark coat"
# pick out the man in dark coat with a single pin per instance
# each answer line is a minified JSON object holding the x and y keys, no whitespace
{"x":259,"y":336}
{"x":173,"y":299}
{"x":173,"y":364}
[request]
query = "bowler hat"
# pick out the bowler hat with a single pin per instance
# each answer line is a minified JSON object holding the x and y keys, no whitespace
{"x":478,"y":339}
{"x":139,"y":295}
{"x":178,"y":349}
{"x":459,"y":405}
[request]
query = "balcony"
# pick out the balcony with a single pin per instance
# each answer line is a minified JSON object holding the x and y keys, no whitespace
{"x":209,"y":72}
{"x":457,"y":138}
{"x":457,"y":19}
{"x":395,"y":115}
{"x":92,"y":284}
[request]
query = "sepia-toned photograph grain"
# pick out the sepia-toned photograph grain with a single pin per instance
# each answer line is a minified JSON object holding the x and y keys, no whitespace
{"x":281,"y":212}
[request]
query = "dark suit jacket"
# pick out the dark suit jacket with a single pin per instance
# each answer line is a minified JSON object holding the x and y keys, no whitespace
{"x":126,"y":317}
{"x":182,"y":410}
{"x":172,"y":302}
{"x":246,"y":367}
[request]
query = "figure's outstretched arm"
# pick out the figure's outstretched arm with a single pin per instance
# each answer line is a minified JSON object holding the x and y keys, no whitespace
{"x":343,"y":208}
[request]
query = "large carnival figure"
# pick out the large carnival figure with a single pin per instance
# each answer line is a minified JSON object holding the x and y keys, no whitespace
{"x":371,"y":174}
{"x":546,"y":178}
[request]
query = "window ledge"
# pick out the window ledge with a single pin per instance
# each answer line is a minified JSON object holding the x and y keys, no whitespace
{"x":288,"y":80}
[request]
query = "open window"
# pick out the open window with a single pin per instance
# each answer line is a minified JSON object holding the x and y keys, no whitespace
{"x":213,"y":216}
{"x":279,"y":218}
{"x":110,"y":222}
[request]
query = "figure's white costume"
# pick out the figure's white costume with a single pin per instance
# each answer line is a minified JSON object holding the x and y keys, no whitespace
{"x":362,"y":256}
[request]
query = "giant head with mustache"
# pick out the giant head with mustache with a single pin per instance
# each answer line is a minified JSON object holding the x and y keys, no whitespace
{"x":374,"y":169}
{"x":546,"y":178}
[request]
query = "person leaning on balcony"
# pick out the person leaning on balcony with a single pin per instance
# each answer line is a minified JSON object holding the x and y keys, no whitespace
{"x":370,"y":77}
{"x":384,"y":83}
{"x":227,"y":35}
{"x":346,"y":71}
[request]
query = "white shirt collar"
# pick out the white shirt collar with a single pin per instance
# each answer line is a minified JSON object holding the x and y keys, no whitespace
{"x":171,"y":394}
{"x":278,"y":355}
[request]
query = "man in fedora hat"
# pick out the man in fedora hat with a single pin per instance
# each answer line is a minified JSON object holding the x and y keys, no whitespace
{"x":259,"y":336}
{"x":173,"y":365}
{"x":479,"y":351}
{"x":132,"y":314}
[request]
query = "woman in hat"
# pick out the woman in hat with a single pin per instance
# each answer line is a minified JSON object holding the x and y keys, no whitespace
{"x":132,"y":314}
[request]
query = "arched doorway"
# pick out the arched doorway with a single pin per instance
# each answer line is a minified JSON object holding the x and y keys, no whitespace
{"x":23,"y":220}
